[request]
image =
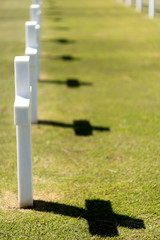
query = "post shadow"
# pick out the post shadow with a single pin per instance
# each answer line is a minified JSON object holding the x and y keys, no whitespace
{"x":70,"y":82}
{"x":54,"y":12}
{"x":59,"y":40}
{"x":80,"y":127}
{"x":67,"y":58}
{"x":101,"y":218}
{"x":57,"y":19}
{"x":61,"y":28}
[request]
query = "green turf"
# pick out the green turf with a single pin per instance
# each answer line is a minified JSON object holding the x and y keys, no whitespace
{"x":100,"y":67}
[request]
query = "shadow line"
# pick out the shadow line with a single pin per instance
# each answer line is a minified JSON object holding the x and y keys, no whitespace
{"x":101,"y":218}
{"x":80,"y":127}
{"x":70,"y":82}
{"x":61,"y":28}
{"x":67,"y":58}
{"x":57,"y":19}
{"x":53,"y":12}
{"x":59,"y":40}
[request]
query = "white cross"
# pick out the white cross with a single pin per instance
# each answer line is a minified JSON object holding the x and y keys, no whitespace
{"x":22,"y":120}
{"x":31,"y":50}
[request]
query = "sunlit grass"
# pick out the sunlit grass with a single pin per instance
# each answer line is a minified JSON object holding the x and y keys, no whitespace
{"x":110,"y":56}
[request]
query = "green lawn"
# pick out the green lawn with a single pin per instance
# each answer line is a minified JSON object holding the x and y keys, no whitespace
{"x":96,"y":149}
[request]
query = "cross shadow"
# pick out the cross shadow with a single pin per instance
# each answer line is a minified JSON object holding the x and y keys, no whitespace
{"x":54,"y":12}
{"x":57,"y":19}
{"x":101,"y":218}
{"x":59,"y":40}
{"x":70,"y":82}
{"x":67,"y":58}
{"x":80,"y":127}
{"x":61,"y":28}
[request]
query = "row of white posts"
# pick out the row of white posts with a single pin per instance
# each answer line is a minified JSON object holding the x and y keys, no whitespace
{"x":27,"y":71}
{"x":139,"y":6}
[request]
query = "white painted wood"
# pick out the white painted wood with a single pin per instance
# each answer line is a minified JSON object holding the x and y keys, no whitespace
{"x":24,"y":163}
{"x":32,"y":53}
{"x":139,"y":5}
{"x":32,"y":39}
{"x":35,"y":14}
{"x":31,"y":34}
{"x":129,"y":3}
{"x":152,"y":8}
{"x":23,"y":128}
{"x":37,"y":2}
{"x":21,"y":111}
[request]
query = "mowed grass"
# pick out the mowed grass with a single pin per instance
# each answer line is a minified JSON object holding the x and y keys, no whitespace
{"x":105,"y":184}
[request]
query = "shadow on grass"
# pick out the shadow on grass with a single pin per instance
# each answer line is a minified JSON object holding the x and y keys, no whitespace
{"x":57,"y":19}
{"x":53,"y":12}
{"x":61,"y":28}
{"x":70,"y":82}
{"x":67,"y":58}
{"x":102,"y":220}
{"x":59,"y":40}
{"x":81,"y":127}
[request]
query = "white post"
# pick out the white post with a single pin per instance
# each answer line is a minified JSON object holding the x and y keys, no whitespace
{"x":37,"y":2}
{"x":23,"y":129}
{"x":32,"y":53}
{"x":152,"y":6}
{"x":139,"y":5}
{"x":31,"y":50}
{"x":31,"y":35}
{"x":129,"y":3}
{"x":35,"y":13}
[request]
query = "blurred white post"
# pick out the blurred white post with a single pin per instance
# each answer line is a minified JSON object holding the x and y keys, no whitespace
{"x":32,"y":53}
{"x":23,"y":128}
{"x":31,"y":34}
{"x":31,"y":50}
{"x":37,"y":2}
{"x":35,"y":14}
{"x":152,"y":8}
{"x":139,"y":5}
{"x":31,"y":38}
{"x":129,"y":3}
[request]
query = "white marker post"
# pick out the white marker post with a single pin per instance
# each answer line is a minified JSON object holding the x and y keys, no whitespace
{"x":35,"y":14}
{"x":32,"y":53}
{"x":152,"y":6}
{"x":22,"y":121}
{"x":31,"y":50}
{"x":38,"y":2}
{"x":129,"y":3}
{"x":31,"y":39}
{"x":139,"y":5}
{"x":31,"y":35}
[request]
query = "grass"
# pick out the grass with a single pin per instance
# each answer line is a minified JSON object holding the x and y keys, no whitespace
{"x":105,"y":184}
